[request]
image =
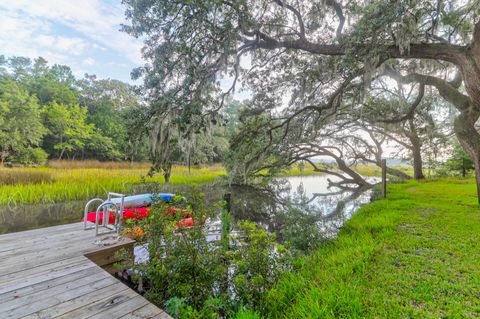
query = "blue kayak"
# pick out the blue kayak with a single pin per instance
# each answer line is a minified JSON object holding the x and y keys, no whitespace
{"x":142,"y":200}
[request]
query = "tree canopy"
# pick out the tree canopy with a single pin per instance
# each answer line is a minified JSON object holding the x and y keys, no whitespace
{"x":321,"y":56}
{"x":47,"y":112}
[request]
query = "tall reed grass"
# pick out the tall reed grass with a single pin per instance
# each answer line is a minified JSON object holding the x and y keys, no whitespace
{"x":78,"y":180}
{"x":55,"y":185}
{"x":66,"y":164}
{"x":16,"y":176}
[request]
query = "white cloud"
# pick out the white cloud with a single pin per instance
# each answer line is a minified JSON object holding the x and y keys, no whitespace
{"x":17,"y":33}
{"x":88,"y":61}
{"x":81,"y":34}
{"x":73,"y":46}
{"x":98,"y":21}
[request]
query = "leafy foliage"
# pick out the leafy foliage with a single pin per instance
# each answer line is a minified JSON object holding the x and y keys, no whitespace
{"x":21,"y":128}
{"x":87,"y":118}
{"x":198,"y":278}
{"x":459,"y":163}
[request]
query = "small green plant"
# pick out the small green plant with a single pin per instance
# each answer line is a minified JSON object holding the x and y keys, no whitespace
{"x":300,"y":229}
{"x":257,"y":263}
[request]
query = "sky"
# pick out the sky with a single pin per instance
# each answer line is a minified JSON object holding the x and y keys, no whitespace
{"x":83,"y":34}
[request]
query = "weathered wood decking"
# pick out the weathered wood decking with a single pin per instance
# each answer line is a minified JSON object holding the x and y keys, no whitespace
{"x":44,"y":273}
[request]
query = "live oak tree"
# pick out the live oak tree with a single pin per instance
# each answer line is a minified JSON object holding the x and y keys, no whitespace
{"x":315,"y":50}
{"x":411,"y":116}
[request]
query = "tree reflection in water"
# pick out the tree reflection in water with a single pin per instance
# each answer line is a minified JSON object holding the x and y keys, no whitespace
{"x":286,"y":206}
{"x":297,"y":213}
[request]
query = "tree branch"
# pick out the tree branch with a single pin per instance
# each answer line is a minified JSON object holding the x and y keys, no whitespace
{"x":339,"y":12}
{"x":297,"y":15}
{"x":446,"y":90}
{"x":440,"y":51}
{"x":411,"y":109}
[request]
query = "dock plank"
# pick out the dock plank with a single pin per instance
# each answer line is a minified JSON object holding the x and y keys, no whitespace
{"x":145,"y":312}
{"x":46,"y":273}
{"x":122,"y":308}
{"x":99,"y":305}
{"x":42,"y":286}
{"x":73,"y":306}
{"x":37,"y":302}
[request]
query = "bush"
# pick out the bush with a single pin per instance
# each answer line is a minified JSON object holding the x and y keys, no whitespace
{"x":196,"y":278}
{"x":300,"y":229}
{"x":30,"y":156}
{"x":38,"y":156}
{"x":256,"y":265}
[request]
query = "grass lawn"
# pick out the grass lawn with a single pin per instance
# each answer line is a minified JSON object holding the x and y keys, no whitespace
{"x":413,"y":255}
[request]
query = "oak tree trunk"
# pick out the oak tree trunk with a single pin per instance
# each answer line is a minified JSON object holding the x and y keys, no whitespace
{"x":167,"y":171}
{"x":417,"y":162}
{"x":416,"y":149}
{"x":469,"y":138}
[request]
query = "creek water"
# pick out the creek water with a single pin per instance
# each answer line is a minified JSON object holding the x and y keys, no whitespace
{"x":309,"y":195}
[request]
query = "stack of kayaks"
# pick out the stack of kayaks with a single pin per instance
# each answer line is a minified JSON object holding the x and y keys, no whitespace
{"x":137,"y":207}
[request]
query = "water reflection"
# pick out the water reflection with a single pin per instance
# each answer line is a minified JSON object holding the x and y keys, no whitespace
{"x":287,"y":205}
{"x":305,"y":205}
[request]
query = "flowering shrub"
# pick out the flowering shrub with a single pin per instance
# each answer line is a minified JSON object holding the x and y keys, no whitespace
{"x":193,"y":277}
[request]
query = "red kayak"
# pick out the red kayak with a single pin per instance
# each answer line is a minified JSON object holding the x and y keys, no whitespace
{"x":136,"y":213}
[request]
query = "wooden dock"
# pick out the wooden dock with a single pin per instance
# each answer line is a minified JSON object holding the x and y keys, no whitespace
{"x":56,"y":272}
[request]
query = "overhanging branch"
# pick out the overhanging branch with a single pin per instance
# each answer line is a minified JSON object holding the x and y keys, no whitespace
{"x":446,"y":90}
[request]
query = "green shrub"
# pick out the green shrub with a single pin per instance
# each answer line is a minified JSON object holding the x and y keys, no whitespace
{"x":30,"y":156}
{"x":196,"y":278}
{"x":300,"y":229}
{"x":257,"y":263}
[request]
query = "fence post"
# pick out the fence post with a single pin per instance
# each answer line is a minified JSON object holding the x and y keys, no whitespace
{"x":384,"y":178}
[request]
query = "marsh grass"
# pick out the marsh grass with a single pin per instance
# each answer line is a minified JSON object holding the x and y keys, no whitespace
{"x":412,"y":255}
{"x":66,"y":164}
{"x":54,"y":185}
{"x":373,"y":170}
{"x":299,"y":170}
{"x":22,"y":176}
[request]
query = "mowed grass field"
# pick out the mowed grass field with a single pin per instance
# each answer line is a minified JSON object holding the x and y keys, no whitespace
{"x":413,"y":255}
{"x":80,"y":180}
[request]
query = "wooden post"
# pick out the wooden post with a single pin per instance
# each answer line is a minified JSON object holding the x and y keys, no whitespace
{"x":227,"y":197}
{"x":384,"y":178}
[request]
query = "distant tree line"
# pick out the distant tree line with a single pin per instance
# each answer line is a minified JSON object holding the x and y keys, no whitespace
{"x":45,"y":112}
